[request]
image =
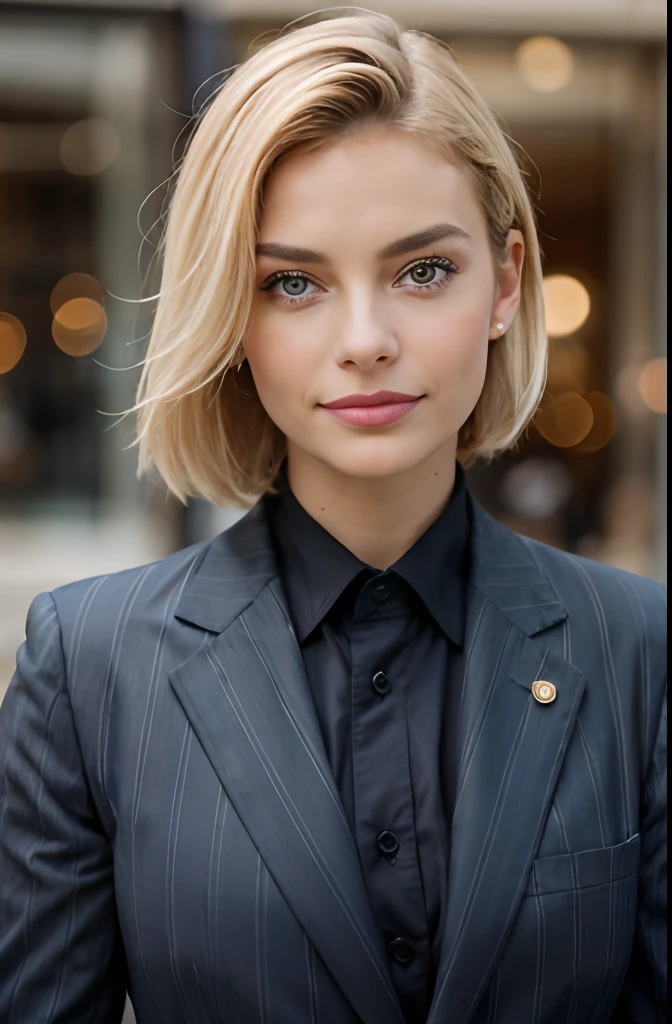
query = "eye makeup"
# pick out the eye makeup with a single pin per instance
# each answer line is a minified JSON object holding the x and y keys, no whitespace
{"x":441,"y":263}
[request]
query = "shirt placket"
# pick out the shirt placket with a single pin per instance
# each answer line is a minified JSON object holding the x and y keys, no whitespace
{"x":383,"y":794}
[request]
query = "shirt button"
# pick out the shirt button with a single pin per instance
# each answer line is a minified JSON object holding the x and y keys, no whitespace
{"x":400,"y":950}
{"x":380,"y":682}
{"x":388,"y":842}
{"x":380,"y":594}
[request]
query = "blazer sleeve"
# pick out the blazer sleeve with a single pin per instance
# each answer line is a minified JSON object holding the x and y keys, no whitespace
{"x":61,"y":954}
{"x":644,"y":996}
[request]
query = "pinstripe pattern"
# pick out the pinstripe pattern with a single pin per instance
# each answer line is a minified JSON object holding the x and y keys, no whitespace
{"x":168,"y":820}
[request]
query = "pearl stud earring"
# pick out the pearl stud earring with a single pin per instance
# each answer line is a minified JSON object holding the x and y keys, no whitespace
{"x":500,"y":327}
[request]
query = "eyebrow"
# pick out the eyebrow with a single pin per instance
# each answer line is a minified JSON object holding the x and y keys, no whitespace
{"x":410,"y":243}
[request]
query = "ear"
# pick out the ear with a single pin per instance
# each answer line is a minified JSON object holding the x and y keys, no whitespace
{"x":507,"y":290}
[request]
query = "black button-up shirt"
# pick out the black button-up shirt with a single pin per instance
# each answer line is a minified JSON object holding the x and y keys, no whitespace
{"x":377,"y":647}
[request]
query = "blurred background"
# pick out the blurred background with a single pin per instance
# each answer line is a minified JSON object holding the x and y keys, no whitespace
{"x":93,"y":97}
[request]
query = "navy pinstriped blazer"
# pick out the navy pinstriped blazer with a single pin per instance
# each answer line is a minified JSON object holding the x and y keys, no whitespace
{"x":168,"y":822}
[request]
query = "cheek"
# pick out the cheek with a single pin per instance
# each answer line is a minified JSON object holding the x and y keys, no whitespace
{"x":458,"y":350}
{"x":280,"y":365}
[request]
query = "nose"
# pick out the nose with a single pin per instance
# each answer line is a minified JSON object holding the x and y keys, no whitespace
{"x":365,"y":337}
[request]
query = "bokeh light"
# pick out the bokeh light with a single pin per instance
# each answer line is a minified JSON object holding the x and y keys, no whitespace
{"x":652,"y":385}
{"x":12,"y":341}
{"x":604,"y":424}
{"x":626,"y":387}
{"x":567,"y":305}
{"x":545,"y":64}
{"x":90,"y":146}
{"x":564,"y":421}
{"x":75,"y":286}
{"x":582,"y":423}
{"x":79,"y":326}
{"x":537,"y":487}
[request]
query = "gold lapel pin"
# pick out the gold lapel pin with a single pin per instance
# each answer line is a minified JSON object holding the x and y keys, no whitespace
{"x":544,"y":691}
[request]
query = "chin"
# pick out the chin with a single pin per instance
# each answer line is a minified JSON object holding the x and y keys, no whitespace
{"x":375,"y":459}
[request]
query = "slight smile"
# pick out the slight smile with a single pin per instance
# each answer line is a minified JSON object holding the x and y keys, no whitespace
{"x":376,"y":410}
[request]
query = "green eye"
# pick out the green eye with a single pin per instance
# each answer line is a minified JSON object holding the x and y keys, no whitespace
{"x":427,"y":277}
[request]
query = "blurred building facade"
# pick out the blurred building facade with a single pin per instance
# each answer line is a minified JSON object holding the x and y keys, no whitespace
{"x":92,"y":100}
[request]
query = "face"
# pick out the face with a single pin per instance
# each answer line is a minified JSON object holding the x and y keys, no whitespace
{"x":375,"y":275}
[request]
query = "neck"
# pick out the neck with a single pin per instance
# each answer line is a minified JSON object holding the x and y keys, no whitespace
{"x":380,"y":518}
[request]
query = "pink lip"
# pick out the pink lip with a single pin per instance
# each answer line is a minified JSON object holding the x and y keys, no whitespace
{"x":375,"y":410}
{"x":377,"y":398}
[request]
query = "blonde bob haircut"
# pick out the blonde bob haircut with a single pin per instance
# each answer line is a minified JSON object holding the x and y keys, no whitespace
{"x":200,"y":422}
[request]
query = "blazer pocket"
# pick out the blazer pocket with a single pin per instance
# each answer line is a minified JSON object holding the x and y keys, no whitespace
{"x":584,"y":869}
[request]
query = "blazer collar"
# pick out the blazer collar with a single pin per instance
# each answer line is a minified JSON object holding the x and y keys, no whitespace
{"x":230,"y":574}
{"x":238,"y":563}
{"x":506,"y":571}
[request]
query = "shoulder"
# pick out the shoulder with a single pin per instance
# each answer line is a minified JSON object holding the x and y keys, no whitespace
{"x":101,"y":605}
{"x":619,"y":610}
{"x":133,"y":611}
{"x":574,"y":576}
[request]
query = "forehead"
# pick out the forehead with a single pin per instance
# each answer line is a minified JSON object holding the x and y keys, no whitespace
{"x":374,"y":183}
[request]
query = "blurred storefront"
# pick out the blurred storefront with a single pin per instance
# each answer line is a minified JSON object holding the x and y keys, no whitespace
{"x":92,"y":99}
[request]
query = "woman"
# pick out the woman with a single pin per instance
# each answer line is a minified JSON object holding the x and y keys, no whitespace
{"x":368,"y":755}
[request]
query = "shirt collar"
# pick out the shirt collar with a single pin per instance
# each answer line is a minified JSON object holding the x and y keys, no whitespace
{"x":316,"y":568}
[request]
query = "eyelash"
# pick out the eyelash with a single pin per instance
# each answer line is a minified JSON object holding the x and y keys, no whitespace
{"x":433,"y":261}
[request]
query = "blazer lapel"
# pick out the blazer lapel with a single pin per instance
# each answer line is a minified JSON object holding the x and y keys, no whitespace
{"x":248,"y":699}
{"x":510,"y":750}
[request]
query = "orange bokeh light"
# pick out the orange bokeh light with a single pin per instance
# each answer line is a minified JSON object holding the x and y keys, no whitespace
{"x":75,"y":286}
{"x":604,"y":424}
{"x":564,"y":421}
{"x":567,"y":303}
{"x":582,"y":423}
{"x":12,"y":341}
{"x":545,"y":63}
{"x":652,"y":385}
{"x":79,"y":326}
